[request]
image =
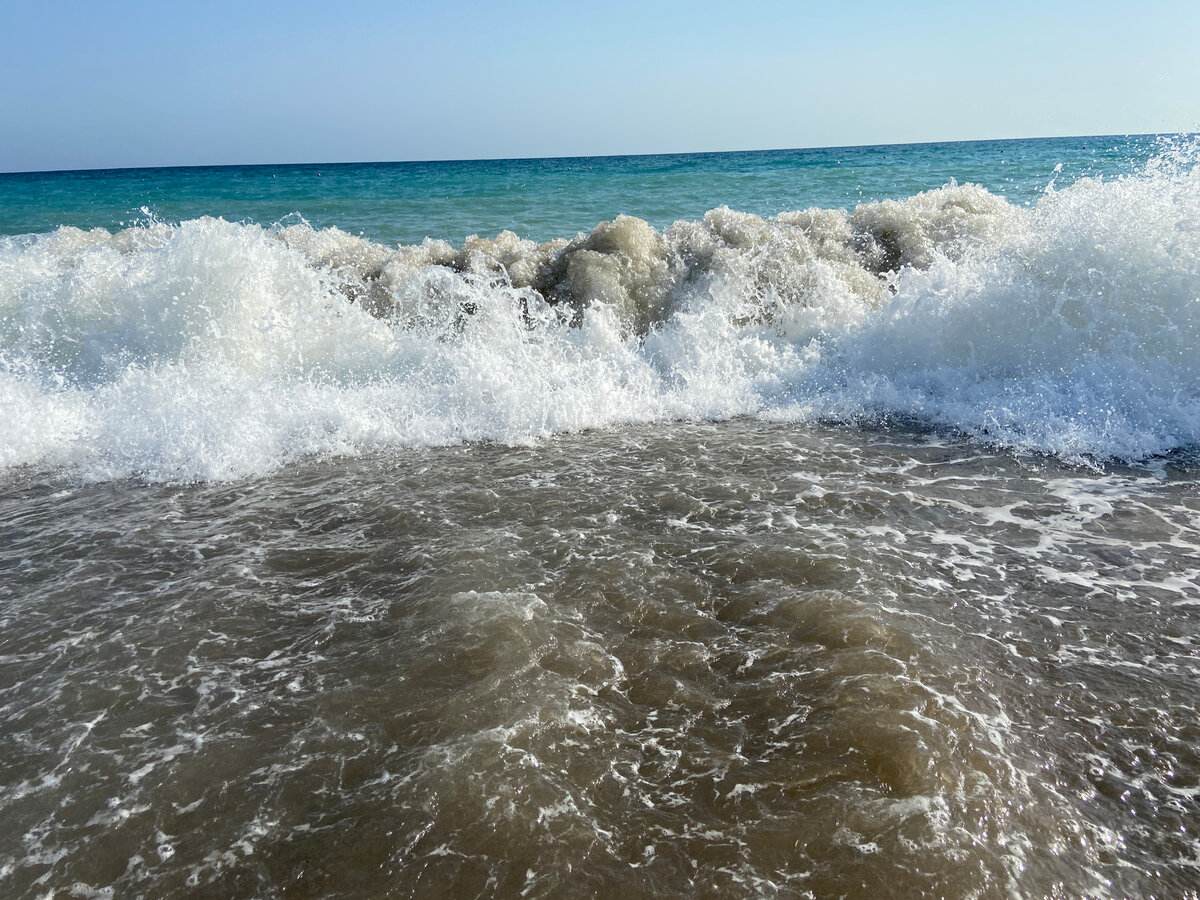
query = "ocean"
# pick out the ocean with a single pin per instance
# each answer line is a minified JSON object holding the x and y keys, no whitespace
{"x":812,"y":523}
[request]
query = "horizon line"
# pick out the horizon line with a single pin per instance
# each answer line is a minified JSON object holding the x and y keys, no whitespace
{"x":478,"y":159}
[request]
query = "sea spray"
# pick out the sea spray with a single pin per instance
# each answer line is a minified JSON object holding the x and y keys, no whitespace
{"x":212,"y":349}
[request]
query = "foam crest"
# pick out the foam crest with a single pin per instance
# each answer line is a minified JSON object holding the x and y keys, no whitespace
{"x":211,"y":349}
{"x":1075,"y":334}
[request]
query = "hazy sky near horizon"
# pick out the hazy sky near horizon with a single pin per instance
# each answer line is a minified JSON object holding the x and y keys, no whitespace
{"x":128,"y":83}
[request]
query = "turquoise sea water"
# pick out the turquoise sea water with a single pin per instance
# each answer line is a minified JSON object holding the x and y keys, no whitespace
{"x":541,"y":199}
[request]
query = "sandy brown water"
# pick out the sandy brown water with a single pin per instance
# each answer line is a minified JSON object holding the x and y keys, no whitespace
{"x":724,"y":660}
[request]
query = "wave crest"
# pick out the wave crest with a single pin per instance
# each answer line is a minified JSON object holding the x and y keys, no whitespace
{"x":211,"y":349}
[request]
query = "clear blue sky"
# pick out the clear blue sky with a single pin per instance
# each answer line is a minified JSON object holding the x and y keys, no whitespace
{"x":127,"y":83}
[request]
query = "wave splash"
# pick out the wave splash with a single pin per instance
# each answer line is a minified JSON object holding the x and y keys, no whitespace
{"x":216,"y":350}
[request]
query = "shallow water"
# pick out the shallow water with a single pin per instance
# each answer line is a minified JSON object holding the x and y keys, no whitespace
{"x":748,"y":548}
{"x":728,"y":659}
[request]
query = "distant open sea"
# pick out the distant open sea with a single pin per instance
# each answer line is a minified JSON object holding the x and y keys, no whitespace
{"x":806,"y":523}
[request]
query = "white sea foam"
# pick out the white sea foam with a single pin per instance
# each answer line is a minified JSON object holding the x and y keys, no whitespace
{"x":212,"y":350}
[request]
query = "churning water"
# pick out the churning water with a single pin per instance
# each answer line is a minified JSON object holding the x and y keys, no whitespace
{"x":847,"y":550}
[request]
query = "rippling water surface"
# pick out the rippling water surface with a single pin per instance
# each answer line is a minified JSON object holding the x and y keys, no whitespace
{"x":802,"y":524}
{"x":722,"y":659}
{"x":549,"y":198}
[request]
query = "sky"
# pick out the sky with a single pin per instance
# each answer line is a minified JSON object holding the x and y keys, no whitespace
{"x":127,"y":83}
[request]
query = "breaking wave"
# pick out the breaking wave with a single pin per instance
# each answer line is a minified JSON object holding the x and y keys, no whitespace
{"x":214,"y":350}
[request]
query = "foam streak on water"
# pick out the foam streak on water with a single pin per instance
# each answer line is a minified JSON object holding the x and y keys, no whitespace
{"x":731,"y":659}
